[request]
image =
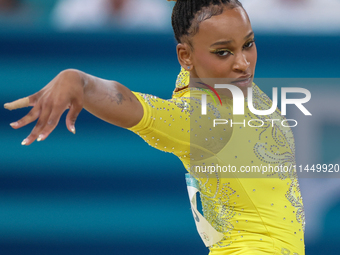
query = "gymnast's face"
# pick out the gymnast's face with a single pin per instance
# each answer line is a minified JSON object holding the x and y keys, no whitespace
{"x":224,"y":47}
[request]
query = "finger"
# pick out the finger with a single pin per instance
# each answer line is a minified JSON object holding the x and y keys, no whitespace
{"x":41,"y":123}
{"x":20,"y":103}
{"x":31,"y":116}
{"x":72,"y":116}
{"x":51,"y":124}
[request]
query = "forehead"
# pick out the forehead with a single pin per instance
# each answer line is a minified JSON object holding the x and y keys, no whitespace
{"x":232,"y":24}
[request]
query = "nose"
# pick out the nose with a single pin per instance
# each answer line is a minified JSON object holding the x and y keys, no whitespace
{"x":240,"y":64}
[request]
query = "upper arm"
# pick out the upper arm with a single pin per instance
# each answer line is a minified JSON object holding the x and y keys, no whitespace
{"x":165,"y":124}
{"x":163,"y":118}
{"x":177,"y":126}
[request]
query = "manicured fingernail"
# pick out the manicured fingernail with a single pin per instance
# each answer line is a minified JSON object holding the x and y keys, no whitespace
{"x":40,"y":137}
{"x":24,"y":142}
{"x":73,"y":129}
{"x":14,"y":124}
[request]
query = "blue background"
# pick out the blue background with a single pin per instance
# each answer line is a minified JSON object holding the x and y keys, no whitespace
{"x":103,"y":190}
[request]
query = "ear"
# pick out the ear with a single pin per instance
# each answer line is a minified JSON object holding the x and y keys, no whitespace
{"x":184,"y":55}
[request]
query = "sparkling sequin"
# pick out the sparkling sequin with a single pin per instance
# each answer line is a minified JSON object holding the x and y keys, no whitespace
{"x":281,"y":154}
{"x":218,"y":197}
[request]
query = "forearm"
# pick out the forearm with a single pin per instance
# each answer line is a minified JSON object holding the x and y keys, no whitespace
{"x":110,"y":101}
{"x":75,"y":90}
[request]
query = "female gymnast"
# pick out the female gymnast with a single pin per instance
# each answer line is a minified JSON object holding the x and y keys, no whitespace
{"x":244,"y":213}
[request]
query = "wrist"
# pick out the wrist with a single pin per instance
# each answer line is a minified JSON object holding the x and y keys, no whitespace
{"x":73,"y":76}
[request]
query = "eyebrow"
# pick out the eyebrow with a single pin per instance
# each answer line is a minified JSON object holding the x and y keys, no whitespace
{"x":230,"y":41}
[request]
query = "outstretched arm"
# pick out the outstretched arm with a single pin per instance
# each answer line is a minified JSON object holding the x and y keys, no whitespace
{"x":74,"y":90}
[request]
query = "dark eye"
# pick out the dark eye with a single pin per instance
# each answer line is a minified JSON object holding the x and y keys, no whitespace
{"x":222,"y":53}
{"x":249,"y":44}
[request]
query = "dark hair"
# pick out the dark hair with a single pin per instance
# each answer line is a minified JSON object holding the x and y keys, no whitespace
{"x":188,"y":14}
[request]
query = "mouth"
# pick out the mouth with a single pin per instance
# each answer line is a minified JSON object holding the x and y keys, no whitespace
{"x":243,"y":81}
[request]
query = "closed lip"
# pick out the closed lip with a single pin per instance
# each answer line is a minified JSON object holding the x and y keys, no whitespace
{"x":242,"y":79}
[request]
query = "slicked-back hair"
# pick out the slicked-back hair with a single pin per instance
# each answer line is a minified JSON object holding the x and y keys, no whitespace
{"x":188,"y":14}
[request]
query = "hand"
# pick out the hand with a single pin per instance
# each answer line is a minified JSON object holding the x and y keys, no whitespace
{"x":64,"y":92}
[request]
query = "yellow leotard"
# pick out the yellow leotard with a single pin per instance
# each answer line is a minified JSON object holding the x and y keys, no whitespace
{"x":257,"y":213}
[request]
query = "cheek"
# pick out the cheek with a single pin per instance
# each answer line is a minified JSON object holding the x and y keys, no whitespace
{"x":209,"y":66}
{"x":204,"y":61}
{"x":252,"y":58}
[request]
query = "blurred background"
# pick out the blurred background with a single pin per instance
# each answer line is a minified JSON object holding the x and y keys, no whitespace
{"x":103,"y":190}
